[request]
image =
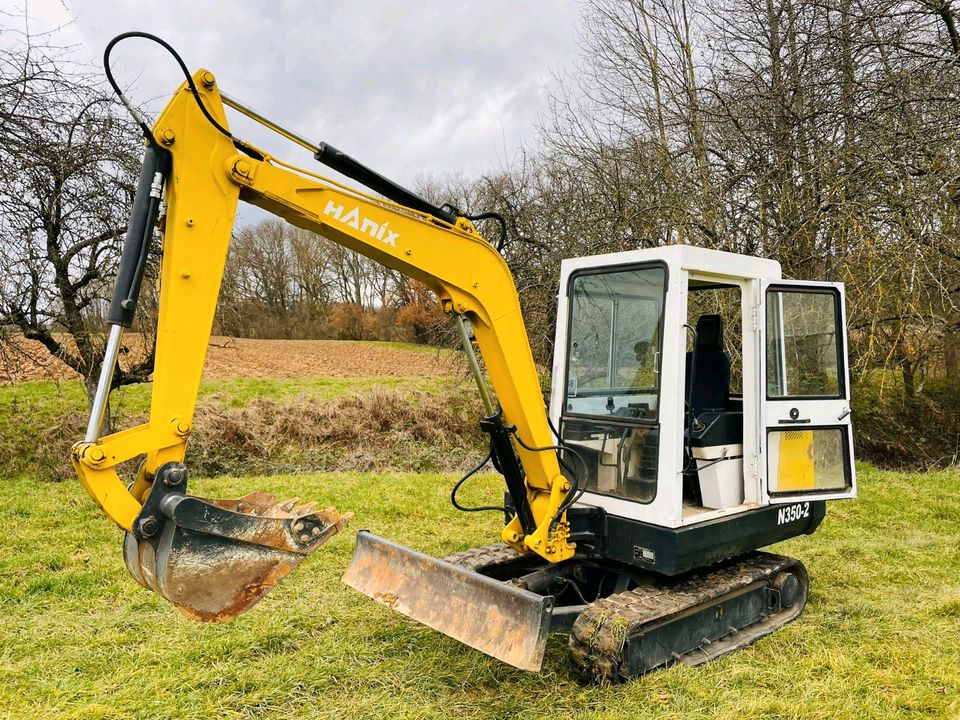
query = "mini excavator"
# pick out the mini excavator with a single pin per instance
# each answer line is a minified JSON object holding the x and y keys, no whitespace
{"x":699,"y":411}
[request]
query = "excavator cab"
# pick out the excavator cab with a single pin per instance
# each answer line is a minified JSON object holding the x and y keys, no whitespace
{"x":703,"y":403}
{"x":699,"y":385}
{"x":699,"y":411}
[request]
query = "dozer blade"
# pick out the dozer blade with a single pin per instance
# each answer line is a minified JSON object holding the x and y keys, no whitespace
{"x":504,"y":621}
{"x":215,"y":559}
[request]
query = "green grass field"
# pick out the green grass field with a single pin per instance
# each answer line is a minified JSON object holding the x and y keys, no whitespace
{"x":880,"y":636}
{"x":43,"y":401}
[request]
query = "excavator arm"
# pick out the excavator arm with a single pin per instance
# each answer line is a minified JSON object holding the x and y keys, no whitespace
{"x":216,"y":558}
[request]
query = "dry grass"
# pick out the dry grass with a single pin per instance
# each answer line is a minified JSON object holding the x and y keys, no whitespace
{"x":377,"y":430}
{"x":265,"y":426}
{"x":265,"y":406}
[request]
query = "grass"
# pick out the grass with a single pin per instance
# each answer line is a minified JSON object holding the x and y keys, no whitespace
{"x":412,"y":347}
{"x":44,"y":399}
{"x":879,"y":638}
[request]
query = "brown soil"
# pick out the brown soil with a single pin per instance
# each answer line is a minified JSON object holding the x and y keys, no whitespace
{"x":234,"y":357}
{"x":22,"y":360}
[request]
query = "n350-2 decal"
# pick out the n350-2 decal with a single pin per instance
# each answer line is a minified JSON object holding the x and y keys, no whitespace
{"x":789,"y":513}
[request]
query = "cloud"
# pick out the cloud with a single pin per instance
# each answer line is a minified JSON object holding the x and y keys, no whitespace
{"x":410,"y":88}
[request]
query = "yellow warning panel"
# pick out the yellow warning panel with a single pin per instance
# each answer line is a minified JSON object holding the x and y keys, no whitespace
{"x":795,"y":471}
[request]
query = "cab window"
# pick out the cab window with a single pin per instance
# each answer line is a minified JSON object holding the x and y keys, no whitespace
{"x":613,"y":357}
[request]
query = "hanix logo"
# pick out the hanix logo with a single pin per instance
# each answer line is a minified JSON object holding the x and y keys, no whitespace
{"x":354,"y":220}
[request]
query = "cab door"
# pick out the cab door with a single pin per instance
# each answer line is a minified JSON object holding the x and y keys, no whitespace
{"x":806,"y":444}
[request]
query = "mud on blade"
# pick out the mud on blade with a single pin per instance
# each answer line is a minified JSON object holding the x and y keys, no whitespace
{"x":215,"y":559}
{"x":504,"y":621}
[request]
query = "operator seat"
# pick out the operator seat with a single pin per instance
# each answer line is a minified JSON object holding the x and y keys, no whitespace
{"x":711,"y":384}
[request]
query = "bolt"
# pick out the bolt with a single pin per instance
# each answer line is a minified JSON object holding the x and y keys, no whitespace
{"x":409,"y":252}
{"x":183,"y":428}
{"x":298,"y":527}
{"x":316,"y":531}
{"x":189,"y":222}
{"x":565,"y":487}
{"x":167,"y":137}
{"x":208,"y":80}
{"x":242,"y":168}
{"x":148,"y":526}
{"x":304,"y":538}
{"x":174,"y":477}
{"x":95,"y":455}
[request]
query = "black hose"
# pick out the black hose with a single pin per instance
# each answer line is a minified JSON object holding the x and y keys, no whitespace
{"x":461,"y":481}
{"x":147,"y":133}
{"x":569,"y":449}
{"x":493,"y":216}
{"x":575,"y":492}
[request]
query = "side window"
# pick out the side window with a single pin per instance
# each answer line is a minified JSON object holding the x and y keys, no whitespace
{"x":802,"y":350}
{"x":803,"y":460}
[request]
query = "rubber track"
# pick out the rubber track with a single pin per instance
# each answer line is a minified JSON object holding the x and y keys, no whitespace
{"x":599,"y":635}
{"x":476,"y":558}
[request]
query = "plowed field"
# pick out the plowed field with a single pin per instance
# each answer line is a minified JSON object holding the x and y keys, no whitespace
{"x":236,"y":357}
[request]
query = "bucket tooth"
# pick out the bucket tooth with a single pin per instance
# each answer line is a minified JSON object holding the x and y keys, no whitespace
{"x":504,"y":621}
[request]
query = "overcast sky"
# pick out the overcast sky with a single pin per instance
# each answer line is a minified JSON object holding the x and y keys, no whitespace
{"x":416,"y":88}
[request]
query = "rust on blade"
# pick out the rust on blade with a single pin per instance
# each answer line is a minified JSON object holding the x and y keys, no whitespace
{"x":215,"y":559}
{"x":501,"y":620}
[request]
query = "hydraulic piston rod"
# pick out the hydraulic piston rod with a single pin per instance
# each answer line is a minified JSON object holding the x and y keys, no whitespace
{"x":99,"y":407}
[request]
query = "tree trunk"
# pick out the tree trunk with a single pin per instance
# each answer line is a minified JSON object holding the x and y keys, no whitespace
{"x":909,"y":380}
{"x":951,"y":359}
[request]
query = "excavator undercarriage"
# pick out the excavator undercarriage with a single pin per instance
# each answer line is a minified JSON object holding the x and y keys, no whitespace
{"x":623,"y":623}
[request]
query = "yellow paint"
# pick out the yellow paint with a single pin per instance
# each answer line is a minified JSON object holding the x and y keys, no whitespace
{"x":467,"y":273}
{"x":796,"y":470}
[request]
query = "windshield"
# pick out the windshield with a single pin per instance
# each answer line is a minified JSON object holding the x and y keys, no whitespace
{"x":614,"y":351}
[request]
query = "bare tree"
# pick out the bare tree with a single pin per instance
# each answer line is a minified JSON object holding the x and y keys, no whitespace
{"x":822,"y":133}
{"x":69,"y":164}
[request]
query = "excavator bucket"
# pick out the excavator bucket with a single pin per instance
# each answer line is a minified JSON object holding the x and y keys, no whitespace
{"x":501,"y":620}
{"x":215,"y":559}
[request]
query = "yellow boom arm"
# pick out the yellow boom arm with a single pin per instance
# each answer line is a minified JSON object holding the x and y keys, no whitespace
{"x":468,"y":275}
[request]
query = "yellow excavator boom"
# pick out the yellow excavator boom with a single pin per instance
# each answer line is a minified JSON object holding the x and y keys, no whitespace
{"x":168,"y":543}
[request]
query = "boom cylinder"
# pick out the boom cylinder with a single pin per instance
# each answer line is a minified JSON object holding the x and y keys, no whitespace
{"x":133,"y":264}
{"x":136,"y":247}
{"x":354,"y":169}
